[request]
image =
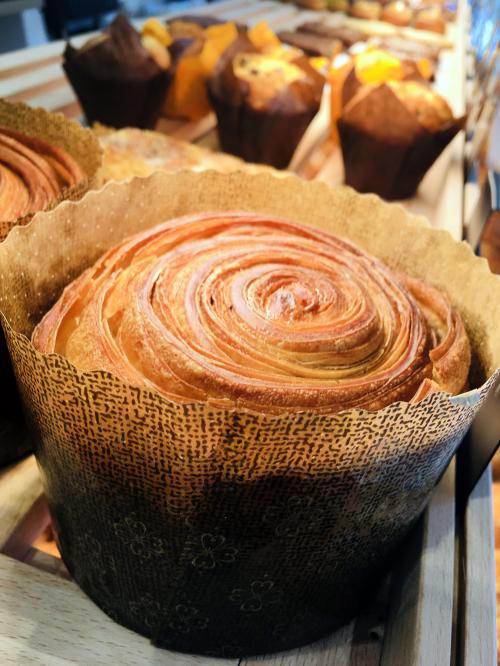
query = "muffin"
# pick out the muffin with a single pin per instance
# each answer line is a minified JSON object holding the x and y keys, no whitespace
{"x":391,"y":134}
{"x":373,"y":65}
{"x":431,"y":18}
{"x":430,"y":109}
{"x":264,"y":105}
{"x":312,"y":4}
{"x":398,"y":13}
{"x":195,"y":52}
{"x":338,"y":5}
{"x":366,"y":9}
{"x":197,"y":49}
{"x":119,"y":78}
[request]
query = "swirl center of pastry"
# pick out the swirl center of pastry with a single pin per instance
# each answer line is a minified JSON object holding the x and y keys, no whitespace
{"x":291,"y":300}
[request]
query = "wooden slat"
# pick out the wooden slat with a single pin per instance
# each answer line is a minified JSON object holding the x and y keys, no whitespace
{"x":419,"y":629}
{"x":55,"y":100}
{"x":479,"y":628}
{"x":48,"y":621}
{"x":20,"y":487}
{"x":20,"y":70}
{"x":195,"y":129}
{"x":31,"y":80}
{"x":27,"y":530}
{"x":27,"y":95}
{"x":45,"y":562}
{"x":31,"y":56}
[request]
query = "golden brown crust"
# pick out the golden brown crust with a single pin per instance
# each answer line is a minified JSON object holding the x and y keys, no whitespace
{"x":397,"y":13}
{"x":33,"y":173}
{"x":431,"y":110}
{"x":365,"y":9}
{"x":133,"y":152}
{"x":416,"y":101}
{"x":258,"y":312}
{"x":431,"y":18}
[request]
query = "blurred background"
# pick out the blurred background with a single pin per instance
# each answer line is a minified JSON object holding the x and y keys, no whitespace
{"x":33,"y":22}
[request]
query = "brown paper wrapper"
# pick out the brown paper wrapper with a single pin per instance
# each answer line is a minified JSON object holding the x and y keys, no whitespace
{"x":82,"y":145}
{"x":389,"y":159}
{"x":231,"y":532}
{"x":117,"y":82}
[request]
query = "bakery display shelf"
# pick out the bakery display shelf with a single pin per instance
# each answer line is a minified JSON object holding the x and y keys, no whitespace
{"x":35,"y":76}
{"x":435,"y":609}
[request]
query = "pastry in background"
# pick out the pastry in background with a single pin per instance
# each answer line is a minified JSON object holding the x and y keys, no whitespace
{"x":348,"y":36}
{"x":408,"y":48}
{"x":431,"y":18}
{"x":430,"y":109}
{"x":119,"y":77}
{"x":264,"y":105}
{"x":312,"y":4}
{"x":398,"y":13}
{"x":197,"y":50}
{"x":44,"y":158}
{"x":312,"y":44}
{"x":132,"y":152}
{"x":33,"y":174}
{"x":366,"y":9}
{"x":390,"y":135}
{"x":338,"y":5}
{"x":196,"y":19}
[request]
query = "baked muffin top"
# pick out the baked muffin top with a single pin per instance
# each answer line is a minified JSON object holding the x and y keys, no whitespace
{"x":431,"y":110}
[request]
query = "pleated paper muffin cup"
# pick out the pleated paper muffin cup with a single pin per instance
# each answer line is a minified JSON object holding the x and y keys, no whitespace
{"x":84,"y":148}
{"x":379,"y":159}
{"x":231,"y":532}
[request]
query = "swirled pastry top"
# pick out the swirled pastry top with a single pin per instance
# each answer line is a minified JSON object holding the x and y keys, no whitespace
{"x":33,"y":174}
{"x":247,"y":310}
